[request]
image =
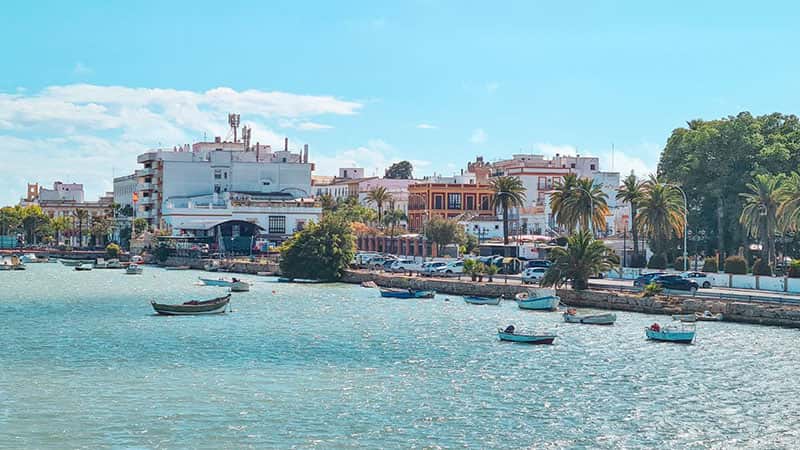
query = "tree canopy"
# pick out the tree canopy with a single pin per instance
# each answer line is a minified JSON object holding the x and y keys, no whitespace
{"x":321,"y":251}
{"x":400,"y":171}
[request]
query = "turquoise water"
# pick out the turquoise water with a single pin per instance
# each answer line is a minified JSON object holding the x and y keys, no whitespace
{"x":85,"y":364}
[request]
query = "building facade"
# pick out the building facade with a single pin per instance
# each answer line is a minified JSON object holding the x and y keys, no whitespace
{"x":459,"y":197}
{"x":66,"y":200}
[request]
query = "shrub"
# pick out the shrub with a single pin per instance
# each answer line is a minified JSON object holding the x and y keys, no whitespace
{"x":761,"y":267}
{"x":320,"y":251}
{"x":652,"y":289}
{"x":794,"y":268}
{"x":112,"y":250}
{"x":678,"y":265}
{"x":657,"y":261}
{"x":710,"y":265}
{"x":736,"y":265}
{"x":491,"y":271}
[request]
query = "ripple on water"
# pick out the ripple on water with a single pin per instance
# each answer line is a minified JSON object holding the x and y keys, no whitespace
{"x":86,"y":364}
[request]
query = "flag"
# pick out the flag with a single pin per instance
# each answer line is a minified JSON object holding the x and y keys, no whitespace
{"x":135,"y":197}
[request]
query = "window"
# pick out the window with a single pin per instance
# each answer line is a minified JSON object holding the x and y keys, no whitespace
{"x":217,"y":174}
{"x":542,"y":182}
{"x":592,"y":167}
{"x":225,"y":175}
{"x":437,"y":202}
{"x":453,"y":201}
{"x":572,"y":165}
{"x":470,"y":201}
{"x":277,"y":224}
{"x":485,"y":203}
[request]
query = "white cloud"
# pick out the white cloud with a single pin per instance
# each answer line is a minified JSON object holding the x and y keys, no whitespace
{"x":374,"y":158}
{"x":427,"y":126}
{"x":75,"y":122}
{"x":622,"y":160}
{"x":478,"y":136}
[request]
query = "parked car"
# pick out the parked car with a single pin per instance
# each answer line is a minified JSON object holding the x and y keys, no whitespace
{"x":362,"y":259}
{"x":699,"y":277}
{"x":453,"y":268}
{"x":405,"y":265}
{"x":676,"y":283}
{"x":429,"y":268}
{"x":537,"y":263}
{"x":377,"y":262}
{"x":533,"y":275}
{"x":645,"y":279}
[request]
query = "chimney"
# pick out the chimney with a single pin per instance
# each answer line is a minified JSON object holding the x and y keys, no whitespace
{"x":258,"y":147}
{"x":217,"y":140}
{"x":305,"y":154}
{"x":286,"y":144}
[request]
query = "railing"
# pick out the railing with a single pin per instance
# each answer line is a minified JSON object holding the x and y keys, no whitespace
{"x":707,"y":295}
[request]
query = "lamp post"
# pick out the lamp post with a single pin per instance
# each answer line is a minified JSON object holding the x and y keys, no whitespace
{"x":685,"y":225}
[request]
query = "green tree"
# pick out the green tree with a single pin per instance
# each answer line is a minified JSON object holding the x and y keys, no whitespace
{"x":660,"y":215}
{"x":443,"y":232}
{"x":392,"y":219}
{"x":327,"y":202}
{"x":379,"y":196}
{"x":509,"y":192}
{"x":560,"y":201}
{"x":140,"y":225}
{"x":320,"y":251}
{"x":588,"y":204}
{"x":583,"y":257}
{"x":632,"y":192}
{"x":82,"y":216}
{"x":10,"y":220}
{"x":400,"y":171}
{"x":100,"y":229}
{"x":760,"y":212}
{"x":112,"y":250}
{"x":59,"y":226}
{"x":32,"y":219}
{"x":470,"y":242}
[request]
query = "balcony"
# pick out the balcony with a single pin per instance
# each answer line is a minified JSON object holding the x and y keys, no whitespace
{"x":145,"y":172}
{"x":150,"y":156}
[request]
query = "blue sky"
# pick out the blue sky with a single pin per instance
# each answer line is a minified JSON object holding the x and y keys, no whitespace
{"x":85,"y":86}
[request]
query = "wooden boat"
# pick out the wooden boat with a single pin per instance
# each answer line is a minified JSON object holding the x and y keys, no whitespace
{"x":407,"y":293}
{"x":684,"y":317}
{"x":680,"y":334}
{"x":475,"y":300}
{"x":511,"y":335}
{"x":572,"y":316}
{"x":83,"y":267}
{"x":298,"y":280}
{"x":708,"y":316}
{"x":213,"y":306}
{"x":133,"y":269}
{"x":538,"y":300}
{"x":177,"y":268}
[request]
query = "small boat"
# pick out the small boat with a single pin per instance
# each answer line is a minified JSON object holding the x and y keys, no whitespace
{"x":538,"y":300}
{"x":133,"y":269}
{"x":240,"y":286}
{"x":511,"y":335}
{"x":407,"y":293}
{"x":83,"y":267}
{"x":369,"y":284}
{"x":572,"y":316}
{"x":213,"y":306}
{"x":74,"y":262}
{"x":211,"y":266}
{"x":475,"y":300}
{"x":100,"y":264}
{"x":31,"y":258}
{"x":708,"y":316}
{"x":298,"y":280}
{"x":684,"y":317}
{"x":680,"y":334}
{"x":177,"y":268}
{"x":225,"y":282}
{"x":114,"y":264}
{"x":11,"y":263}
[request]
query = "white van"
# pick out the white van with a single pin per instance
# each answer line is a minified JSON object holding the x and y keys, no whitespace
{"x":405,"y":265}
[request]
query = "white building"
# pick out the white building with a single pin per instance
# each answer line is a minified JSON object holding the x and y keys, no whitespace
{"x":70,"y":192}
{"x":352,"y":183}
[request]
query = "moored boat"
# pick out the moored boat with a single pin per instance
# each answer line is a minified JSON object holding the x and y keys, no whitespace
{"x":684,"y":317}
{"x":406,"y":293}
{"x":369,"y":284}
{"x":572,"y":316}
{"x":681,"y":334}
{"x":240,"y":286}
{"x":476,"y":300}
{"x":74,"y":262}
{"x":510,"y":334}
{"x":213,"y":306}
{"x":31,"y":258}
{"x":177,"y":268}
{"x":222,"y":282}
{"x":211,"y":266}
{"x":133,"y":269}
{"x":538,"y":300}
{"x":83,"y":267}
{"x":708,"y":316}
{"x":11,"y":263}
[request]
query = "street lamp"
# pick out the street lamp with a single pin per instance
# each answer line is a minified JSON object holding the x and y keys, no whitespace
{"x":685,"y":226}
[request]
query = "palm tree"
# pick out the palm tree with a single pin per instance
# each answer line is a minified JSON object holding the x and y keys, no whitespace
{"x":789,"y":196}
{"x":559,"y":201}
{"x":508,"y":193}
{"x":59,"y":225}
{"x":660,"y":215}
{"x":583,"y":257}
{"x":327,"y":202}
{"x":83,"y":216}
{"x":632,"y":192}
{"x":392,"y":218}
{"x":760,"y":212}
{"x":379,"y":196}
{"x":588,"y":203}
{"x":100,"y":228}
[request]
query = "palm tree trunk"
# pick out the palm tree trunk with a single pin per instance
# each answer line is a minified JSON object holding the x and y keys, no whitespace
{"x":634,"y":233}
{"x":505,"y":225}
{"x":720,"y":231}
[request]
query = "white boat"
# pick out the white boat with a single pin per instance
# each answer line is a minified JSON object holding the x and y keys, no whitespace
{"x":476,"y":300}
{"x":211,"y":266}
{"x":133,"y":269}
{"x":100,"y":264}
{"x":240,"y":286}
{"x":684,"y":317}
{"x":178,"y":268}
{"x":224,"y":282}
{"x":31,"y":258}
{"x":114,"y":264}
{"x":11,"y":263}
{"x":83,"y":267}
{"x":708,"y":316}
{"x":538,"y":299}
{"x":680,"y":333}
{"x":572,"y":316}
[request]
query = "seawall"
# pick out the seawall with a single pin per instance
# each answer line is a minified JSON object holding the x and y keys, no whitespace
{"x":755,"y":313}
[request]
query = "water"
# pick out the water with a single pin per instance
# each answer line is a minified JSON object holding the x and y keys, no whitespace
{"x":85,"y":364}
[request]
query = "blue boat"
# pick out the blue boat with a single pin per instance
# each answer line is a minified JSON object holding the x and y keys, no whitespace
{"x":538,"y":300}
{"x":511,"y":335}
{"x":407,"y":293}
{"x":679,"y":334}
{"x":475,"y":300}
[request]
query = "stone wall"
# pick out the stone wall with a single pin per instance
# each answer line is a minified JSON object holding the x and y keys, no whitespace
{"x":453,"y":286}
{"x":229,"y":266}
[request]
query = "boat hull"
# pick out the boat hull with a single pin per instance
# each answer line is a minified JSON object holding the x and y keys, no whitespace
{"x":591,"y":319}
{"x":216,"y":306}
{"x":240,"y":286}
{"x":213,"y":282}
{"x":684,"y":317}
{"x":549,"y":303}
{"x":678,"y":337}
{"x":526,"y":338}
{"x":473,"y":300}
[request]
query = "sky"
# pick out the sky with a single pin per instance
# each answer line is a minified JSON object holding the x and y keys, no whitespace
{"x":86,"y":86}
